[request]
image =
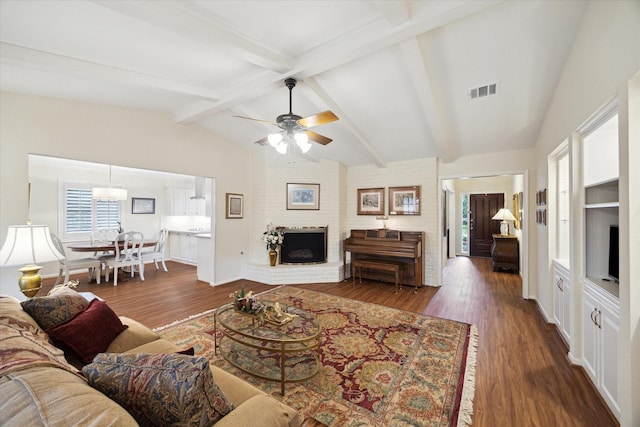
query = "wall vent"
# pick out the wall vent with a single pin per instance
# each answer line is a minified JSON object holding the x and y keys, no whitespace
{"x":483,"y":90}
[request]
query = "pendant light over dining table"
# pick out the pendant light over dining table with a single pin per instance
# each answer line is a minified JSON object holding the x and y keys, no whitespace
{"x":109,"y":194}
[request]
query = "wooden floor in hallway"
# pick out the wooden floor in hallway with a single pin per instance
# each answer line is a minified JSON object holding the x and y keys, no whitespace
{"x":523,"y":376}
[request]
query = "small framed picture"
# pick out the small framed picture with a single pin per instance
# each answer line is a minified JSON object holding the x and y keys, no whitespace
{"x":303,"y":196}
{"x":404,"y":200}
{"x":234,"y":206}
{"x":371,"y":201}
{"x":141,"y":205}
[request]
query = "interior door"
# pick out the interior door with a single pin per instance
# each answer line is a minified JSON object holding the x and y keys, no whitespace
{"x":482,"y":207}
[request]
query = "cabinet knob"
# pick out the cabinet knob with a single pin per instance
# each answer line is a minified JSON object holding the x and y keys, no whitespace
{"x":598,"y":317}
{"x":559,"y":284}
{"x":593,"y":313}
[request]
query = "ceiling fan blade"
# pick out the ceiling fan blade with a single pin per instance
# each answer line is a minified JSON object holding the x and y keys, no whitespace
{"x":257,"y":120}
{"x":263,"y":141}
{"x":316,"y":137}
{"x":318,"y":119}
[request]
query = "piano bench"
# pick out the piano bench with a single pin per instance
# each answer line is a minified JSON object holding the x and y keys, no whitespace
{"x":380,"y":265}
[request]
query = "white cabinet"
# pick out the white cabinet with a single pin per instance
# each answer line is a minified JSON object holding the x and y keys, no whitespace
{"x":600,"y":326}
{"x":181,"y":202}
{"x":562,"y":300}
{"x":183,"y":247}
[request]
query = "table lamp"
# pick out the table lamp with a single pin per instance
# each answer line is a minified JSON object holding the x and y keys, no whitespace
{"x":504,"y":215}
{"x":29,"y":244}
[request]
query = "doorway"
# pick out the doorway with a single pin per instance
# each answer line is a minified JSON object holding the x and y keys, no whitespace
{"x":482,"y":207}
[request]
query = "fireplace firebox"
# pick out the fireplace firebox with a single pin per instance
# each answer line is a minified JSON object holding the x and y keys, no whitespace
{"x":304,"y":245}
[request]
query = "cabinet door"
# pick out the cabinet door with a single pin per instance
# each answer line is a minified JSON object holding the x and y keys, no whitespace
{"x":609,"y":323}
{"x":193,"y":246}
{"x":558,"y":300}
{"x":179,"y":206}
{"x":590,"y":335}
{"x":566,"y":309}
{"x":174,"y":246}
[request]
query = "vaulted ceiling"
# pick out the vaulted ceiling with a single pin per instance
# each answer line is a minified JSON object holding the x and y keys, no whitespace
{"x":398,"y":74}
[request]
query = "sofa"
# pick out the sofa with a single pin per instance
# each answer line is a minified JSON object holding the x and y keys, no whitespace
{"x":40,"y":386}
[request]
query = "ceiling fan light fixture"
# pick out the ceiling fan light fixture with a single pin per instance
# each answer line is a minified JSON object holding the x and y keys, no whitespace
{"x":282,"y":147}
{"x":274,"y":139}
{"x":301,"y":138}
{"x":303,"y":142}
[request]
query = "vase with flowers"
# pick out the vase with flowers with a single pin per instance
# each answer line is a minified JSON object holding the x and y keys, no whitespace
{"x":273,"y":238}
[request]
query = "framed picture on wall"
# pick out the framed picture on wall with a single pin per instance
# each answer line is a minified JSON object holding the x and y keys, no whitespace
{"x":404,"y":200}
{"x":371,"y":201}
{"x":142,"y":205}
{"x":234,"y":206}
{"x":516,"y":210}
{"x":303,"y":196}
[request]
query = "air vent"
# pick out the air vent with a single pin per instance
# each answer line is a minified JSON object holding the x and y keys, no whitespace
{"x":484,"y":90}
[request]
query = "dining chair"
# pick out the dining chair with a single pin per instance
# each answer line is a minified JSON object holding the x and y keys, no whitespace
{"x":104,"y":235}
{"x":126,"y":256}
{"x":157,"y":253}
{"x":94,"y":265}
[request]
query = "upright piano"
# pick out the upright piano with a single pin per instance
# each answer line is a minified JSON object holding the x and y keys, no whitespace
{"x":390,"y":245}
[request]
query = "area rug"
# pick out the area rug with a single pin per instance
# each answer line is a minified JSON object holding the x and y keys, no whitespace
{"x":380,"y":366}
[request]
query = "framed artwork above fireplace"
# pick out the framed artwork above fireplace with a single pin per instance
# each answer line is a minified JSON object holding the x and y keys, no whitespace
{"x":303,"y":196}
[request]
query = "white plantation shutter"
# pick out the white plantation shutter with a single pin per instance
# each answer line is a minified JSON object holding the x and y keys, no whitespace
{"x":79,"y":210}
{"x":107,"y":215}
{"x":84,"y":215}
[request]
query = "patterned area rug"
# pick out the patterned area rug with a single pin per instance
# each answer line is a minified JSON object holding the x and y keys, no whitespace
{"x":380,"y":366}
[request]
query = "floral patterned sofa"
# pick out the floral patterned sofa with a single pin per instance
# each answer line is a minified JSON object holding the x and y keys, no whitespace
{"x":123,"y":365}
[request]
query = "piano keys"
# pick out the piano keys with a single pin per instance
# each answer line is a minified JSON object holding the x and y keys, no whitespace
{"x":390,"y":245}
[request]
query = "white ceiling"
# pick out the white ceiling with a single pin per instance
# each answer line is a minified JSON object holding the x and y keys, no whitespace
{"x":396,"y":73}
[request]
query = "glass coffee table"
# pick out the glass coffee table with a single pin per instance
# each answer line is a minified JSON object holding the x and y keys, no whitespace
{"x":277,"y":352}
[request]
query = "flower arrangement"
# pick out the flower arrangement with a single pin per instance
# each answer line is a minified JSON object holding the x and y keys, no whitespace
{"x":272,"y":237}
{"x":246,"y":303}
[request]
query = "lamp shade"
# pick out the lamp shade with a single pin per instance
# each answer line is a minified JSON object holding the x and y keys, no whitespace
{"x":109,"y":194}
{"x":504,"y":214}
{"x":28,"y":244}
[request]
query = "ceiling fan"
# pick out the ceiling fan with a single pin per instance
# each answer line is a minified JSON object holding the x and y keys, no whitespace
{"x":295,"y":128}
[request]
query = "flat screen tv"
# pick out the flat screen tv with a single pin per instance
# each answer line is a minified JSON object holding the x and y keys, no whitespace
{"x":614,"y":262}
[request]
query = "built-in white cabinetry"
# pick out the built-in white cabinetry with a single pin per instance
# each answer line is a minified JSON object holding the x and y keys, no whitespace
{"x":600,"y":326}
{"x":183,"y":247}
{"x":181,"y":202}
{"x":562,"y":300}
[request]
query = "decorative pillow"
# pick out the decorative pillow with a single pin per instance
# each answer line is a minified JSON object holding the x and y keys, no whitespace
{"x":56,"y":309}
{"x":89,"y":332}
{"x":160,"y":389}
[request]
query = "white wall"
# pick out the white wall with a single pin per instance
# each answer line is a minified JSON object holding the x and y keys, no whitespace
{"x":118,"y":136}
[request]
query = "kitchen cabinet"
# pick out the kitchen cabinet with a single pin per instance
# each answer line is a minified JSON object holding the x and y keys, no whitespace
{"x":181,"y":202}
{"x":562,"y":301}
{"x":183,"y":247}
{"x":600,"y":327}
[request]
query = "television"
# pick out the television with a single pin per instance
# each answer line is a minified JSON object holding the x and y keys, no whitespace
{"x":614,"y":262}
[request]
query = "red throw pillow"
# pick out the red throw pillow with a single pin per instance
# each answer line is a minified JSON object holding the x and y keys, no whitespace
{"x":90,"y":332}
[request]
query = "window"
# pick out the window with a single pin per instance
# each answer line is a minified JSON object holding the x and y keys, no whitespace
{"x":83,"y":215}
{"x":465,"y":223}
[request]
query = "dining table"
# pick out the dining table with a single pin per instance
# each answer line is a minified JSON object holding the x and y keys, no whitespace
{"x":103,"y":245}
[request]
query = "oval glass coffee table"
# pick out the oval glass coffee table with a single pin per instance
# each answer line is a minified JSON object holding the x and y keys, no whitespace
{"x":271,"y":351}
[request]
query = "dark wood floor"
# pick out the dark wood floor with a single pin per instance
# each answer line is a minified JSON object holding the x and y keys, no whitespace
{"x":523,"y":377}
